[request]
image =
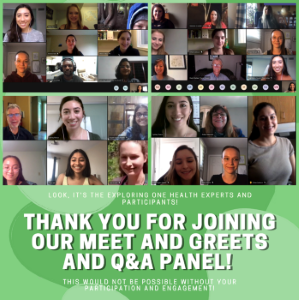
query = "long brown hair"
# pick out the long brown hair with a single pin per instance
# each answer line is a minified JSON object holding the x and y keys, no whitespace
{"x":143,"y":146}
{"x":226,"y":51}
{"x":20,"y":177}
{"x":161,"y":50}
{"x":228,"y":128}
{"x":172,"y":177}
{"x":163,"y":13}
{"x":79,"y":22}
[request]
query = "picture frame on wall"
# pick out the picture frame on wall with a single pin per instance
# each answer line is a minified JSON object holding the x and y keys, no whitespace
{"x":35,"y":66}
{"x":177,"y":62}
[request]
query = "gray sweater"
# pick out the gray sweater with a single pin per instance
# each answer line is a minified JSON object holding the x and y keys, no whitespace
{"x":270,"y":165}
{"x":34,"y":36}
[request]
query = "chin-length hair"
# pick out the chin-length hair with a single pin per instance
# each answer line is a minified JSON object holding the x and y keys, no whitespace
{"x":136,"y":130}
{"x":61,"y":132}
{"x":228,"y":128}
{"x":143,"y":146}
{"x":161,"y":121}
{"x":20,"y":177}
{"x":172,"y":177}
{"x":79,"y":22}
{"x":118,"y":75}
{"x":15,"y":32}
{"x":69,"y":171}
{"x":165,"y":68}
{"x":255,"y":133}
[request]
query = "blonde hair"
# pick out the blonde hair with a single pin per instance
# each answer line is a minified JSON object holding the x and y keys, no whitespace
{"x":172,"y":177}
{"x":68,"y":25}
{"x":161,"y":50}
{"x":12,"y":106}
{"x":143,"y":146}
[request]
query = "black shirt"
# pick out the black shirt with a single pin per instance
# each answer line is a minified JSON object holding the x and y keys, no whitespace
{"x":22,"y":134}
{"x":217,"y":180}
{"x":61,"y":79}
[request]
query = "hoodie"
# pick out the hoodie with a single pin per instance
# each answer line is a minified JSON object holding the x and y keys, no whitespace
{"x":134,"y":11}
{"x":130,"y":52}
{"x":29,"y":77}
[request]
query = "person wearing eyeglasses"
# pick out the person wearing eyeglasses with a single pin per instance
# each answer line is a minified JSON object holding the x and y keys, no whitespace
{"x":216,"y":74}
{"x":14,"y":131}
{"x":139,"y":129}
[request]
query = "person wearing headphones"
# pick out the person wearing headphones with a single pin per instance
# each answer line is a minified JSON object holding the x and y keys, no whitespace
{"x":68,"y":67}
{"x":14,"y":131}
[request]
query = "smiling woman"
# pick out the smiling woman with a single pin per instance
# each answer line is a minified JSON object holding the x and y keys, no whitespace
{"x":12,"y":171}
{"x":133,"y":164}
{"x":160,"y":71}
{"x":78,"y":171}
{"x":124,"y":48}
{"x":71,"y":112}
{"x":72,"y":49}
{"x":20,"y":27}
{"x":184,"y":168}
{"x":124,"y":72}
{"x":74,"y":18}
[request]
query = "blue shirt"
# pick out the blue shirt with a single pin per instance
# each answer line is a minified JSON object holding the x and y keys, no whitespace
{"x":127,"y":135}
{"x":212,"y":76}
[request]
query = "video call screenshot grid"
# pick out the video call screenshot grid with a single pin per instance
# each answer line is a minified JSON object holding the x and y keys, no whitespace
{"x":195,"y":140}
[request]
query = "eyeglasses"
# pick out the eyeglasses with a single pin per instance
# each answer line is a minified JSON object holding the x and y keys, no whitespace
{"x":139,"y":115}
{"x":14,"y":115}
{"x":222,"y":115}
{"x":216,"y":65}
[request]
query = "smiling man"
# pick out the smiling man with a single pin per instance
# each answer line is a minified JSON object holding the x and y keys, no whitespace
{"x":22,"y":73}
{"x":216,"y":75}
{"x":68,"y":68}
{"x":14,"y":131}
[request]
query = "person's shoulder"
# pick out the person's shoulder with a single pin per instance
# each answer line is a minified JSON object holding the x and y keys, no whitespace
{"x":6,"y":37}
{"x":62,"y":26}
{"x":223,"y":26}
{"x":26,"y":133}
{"x":85,"y":27}
{"x":92,"y":180}
{"x":134,"y":80}
{"x":77,"y":78}
{"x":93,"y":136}
{"x":169,"y":78}
{"x":207,"y":25}
{"x":169,"y":24}
{"x":60,"y":179}
{"x":114,"y":52}
{"x":239,"y":132}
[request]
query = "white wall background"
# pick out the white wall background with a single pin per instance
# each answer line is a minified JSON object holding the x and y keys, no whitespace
{"x":33,"y":161}
{"x":175,"y":41}
{"x":177,"y":74}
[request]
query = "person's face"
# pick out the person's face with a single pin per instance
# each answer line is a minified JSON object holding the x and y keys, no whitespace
{"x":71,"y":42}
{"x":23,"y":18}
{"x":219,"y":119}
{"x":177,"y":110}
{"x":78,"y":162}
{"x":292,"y":87}
{"x":185,"y":165}
{"x":139,"y":88}
{"x":21,"y":63}
{"x":277,"y":64}
{"x":157,"y":40}
{"x":219,"y":39}
{"x":68,"y":68}
{"x":141,"y":117}
{"x":124,"y":41}
{"x":125,"y":69}
{"x":15,"y":120}
{"x":217,"y":66}
{"x":266,"y":10}
{"x":230,"y":160}
{"x":213,"y":16}
{"x":266,"y":121}
{"x":157,"y":13}
{"x":73,"y":14}
{"x":131,"y":158}
{"x":159,"y":68}
{"x":142,"y":24}
{"x":11,"y":169}
{"x":277,"y":39}
{"x":72,"y":115}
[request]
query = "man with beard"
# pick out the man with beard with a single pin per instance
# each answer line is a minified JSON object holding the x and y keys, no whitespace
{"x":68,"y":67}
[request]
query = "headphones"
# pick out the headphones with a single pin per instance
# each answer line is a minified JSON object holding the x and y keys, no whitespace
{"x":73,"y":62}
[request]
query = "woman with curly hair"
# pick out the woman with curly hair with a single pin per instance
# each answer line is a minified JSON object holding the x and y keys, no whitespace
{"x":139,"y":129}
{"x":219,"y":124}
{"x":124,"y":72}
